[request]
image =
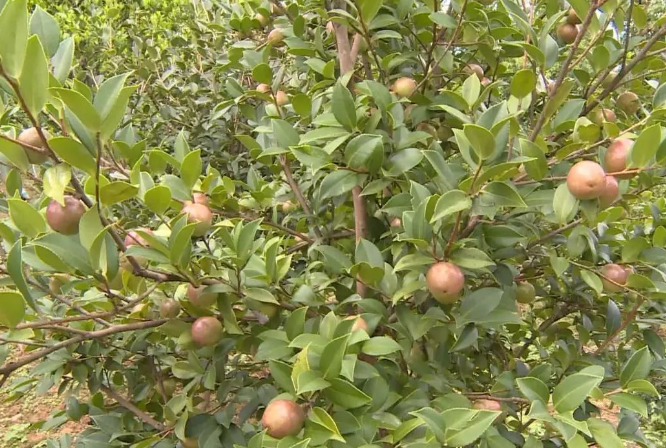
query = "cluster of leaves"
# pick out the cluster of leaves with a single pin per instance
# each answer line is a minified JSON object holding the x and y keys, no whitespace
{"x":333,"y":193}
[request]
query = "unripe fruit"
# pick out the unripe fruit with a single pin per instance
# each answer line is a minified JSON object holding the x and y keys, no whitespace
{"x":283,"y":418}
{"x":525,"y":293}
{"x":396,"y":222}
{"x":487,"y":405}
{"x":567,"y":33}
{"x":599,"y":116}
{"x":190,"y":442}
{"x":206,"y":331}
{"x":616,"y":273}
{"x":628,"y":103}
{"x":169,"y":386}
{"x":573,"y":18}
{"x":263,"y":88}
{"x":404,"y":87}
{"x":262,"y":19}
{"x":445,"y":281}
{"x":475,"y":69}
{"x":610,"y":193}
{"x":288,"y":206}
{"x":199,"y":298}
{"x":200,"y":198}
{"x":616,"y":157}
{"x":359,"y":323}
{"x":275,"y":37}
{"x":134,"y":239}
{"x":199,"y":214}
{"x":65,"y":219}
{"x":169,"y":309}
{"x":56,"y":282}
{"x":30,"y":136}
{"x":586,"y":180}
{"x":281,"y":98}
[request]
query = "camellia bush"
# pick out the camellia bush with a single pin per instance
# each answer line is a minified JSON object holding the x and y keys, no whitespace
{"x":380,"y":223}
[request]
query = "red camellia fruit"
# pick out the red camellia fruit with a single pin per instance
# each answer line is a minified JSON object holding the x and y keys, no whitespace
{"x":199,"y":214}
{"x":30,"y":136}
{"x":199,"y":298}
{"x":65,"y":219}
{"x":445,"y":282}
{"x":133,"y":238}
{"x":169,"y":309}
{"x":206,"y":331}
{"x":200,"y":198}
{"x":610,"y":193}
{"x":567,"y":33}
{"x":617,"y":274}
{"x":586,"y":180}
{"x":283,"y":418}
{"x":616,"y":157}
{"x":359,"y":323}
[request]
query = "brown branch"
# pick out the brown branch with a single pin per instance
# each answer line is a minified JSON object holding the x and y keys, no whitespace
{"x":299,"y":195}
{"x":124,"y":402}
{"x":630,"y":318}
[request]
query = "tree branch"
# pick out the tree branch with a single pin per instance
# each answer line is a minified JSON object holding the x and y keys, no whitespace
{"x":124,"y":402}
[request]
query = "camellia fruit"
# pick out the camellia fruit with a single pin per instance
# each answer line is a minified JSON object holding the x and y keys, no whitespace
{"x":567,"y":33}
{"x":445,"y":281}
{"x":169,"y":309}
{"x":616,"y":157}
{"x":169,"y":386}
{"x":599,"y":116}
{"x":359,"y":323}
{"x":573,"y":18}
{"x":56,"y":282}
{"x":200,"y":198}
{"x":525,"y":293}
{"x":475,"y":69}
{"x":281,"y":98}
{"x":199,"y":214}
{"x":275,"y":37}
{"x":133,"y":238}
{"x":283,"y":418}
{"x":404,"y":87}
{"x":586,"y":180}
{"x":263,"y":88}
{"x":610,"y":193}
{"x":199,"y":298}
{"x":396,"y":222}
{"x":628,"y":103}
{"x":617,"y":274}
{"x":289,"y":206}
{"x":206,"y":331}
{"x":262,"y":19}
{"x":487,"y":405}
{"x":30,"y":136}
{"x":65,"y":219}
{"x":330,"y":28}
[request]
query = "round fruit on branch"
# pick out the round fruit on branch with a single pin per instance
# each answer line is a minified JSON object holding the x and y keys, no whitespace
{"x":283,"y":418}
{"x":445,"y":282}
{"x":65,"y":219}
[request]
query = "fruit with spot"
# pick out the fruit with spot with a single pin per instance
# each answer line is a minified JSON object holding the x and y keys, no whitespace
{"x":200,"y":215}
{"x":56,"y":282}
{"x":283,"y":418}
{"x":65,"y":219}
{"x":206,"y":331}
{"x":617,"y":274}
{"x":445,"y":281}
{"x":289,"y":206}
{"x":586,"y":180}
{"x":263,"y":88}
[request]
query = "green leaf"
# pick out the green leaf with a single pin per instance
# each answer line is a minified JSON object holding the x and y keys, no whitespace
{"x":451,"y":202}
{"x":302,"y":104}
{"x":471,"y":89}
{"x":479,"y":304}
{"x":90,"y":227}
{"x":502,"y":194}
{"x":321,"y":417}
{"x":115,"y":192}
{"x":28,"y":220}
{"x":345,"y":394}
{"x":538,"y":168}
{"x":533,"y":389}
{"x":481,"y":140}
{"x":190,"y":168}
{"x":15,"y":154}
{"x":74,"y":153}
{"x":637,"y":367}
{"x":464,"y":426}
{"x":180,"y":245}
{"x":34,"y":80}
{"x":261,"y":295}
{"x":380,"y":346}
{"x":645,"y":147}
{"x":15,"y":270}
{"x":467,"y":338}
{"x":108,"y":93}
{"x":12,"y":309}
{"x":471,"y":258}
{"x":592,"y":280}
{"x":369,"y":9}
{"x":56,"y":179}
{"x":81,"y":107}
{"x":281,"y":373}
{"x":117,"y":112}
{"x":604,"y":434}
{"x":332,"y":356}
{"x":335,"y":260}
{"x":337,"y":183}
{"x":310,"y":381}
{"x":365,"y":152}
{"x":295,"y":323}
{"x":180,"y":147}
{"x":522,"y":83}
{"x":574,"y":389}
{"x":642,"y":387}
{"x":285,"y":134}
{"x":434,"y":421}
{"x":564,"y":204}
{"x":63,"y":59}
{"x":262,"y":73}
{"x":344,"y":110}
{"x":46,"y":27}
{"x":158,"y":199}
{"x":14,"y":26}
{"x":631,"y":402}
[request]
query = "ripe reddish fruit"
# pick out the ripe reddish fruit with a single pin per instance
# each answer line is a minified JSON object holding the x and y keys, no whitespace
{"x":487,"y":405}
{"x":404,"y":87}
{"x":396,"y":222}
{"x":199,"y":214}
{"x":169,"y":309}
{"x":283,"y":418}
{"x":133,"y":238}
{"x":30,"y":136}
{"x":200,"y":198}
{"x":485,"y":81}
{"x":275,"y":37}
{"x":65,"y":219}
{"x":525,"y":293}
{"x":474,"y":69}
{"x":573,"y":18}
{"x":616,"y":273}
{"x":359,"y":323}
{"x":263,"y":88}
{"x":199,"y":298}
{"x":610,"y":193}
{"x":281,"y":98}
{"x":586,"y":180}
{"x":206,"y":331}
{"x":445,"y":281}
{"x":567,"y":33}
{"x":628,"y":103}
{"x":616,"y":157}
